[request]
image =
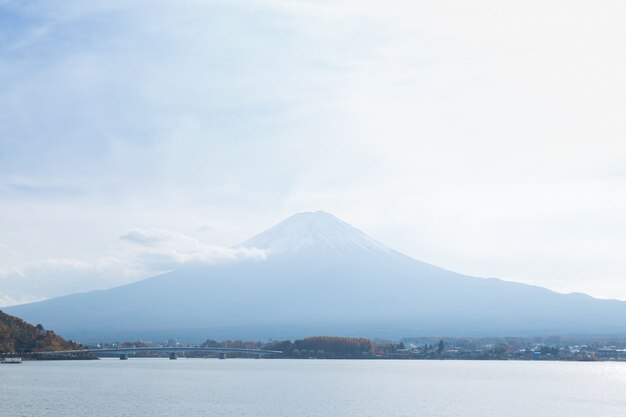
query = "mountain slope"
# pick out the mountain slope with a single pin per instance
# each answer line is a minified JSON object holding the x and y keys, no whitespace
{"x":321,"y":276}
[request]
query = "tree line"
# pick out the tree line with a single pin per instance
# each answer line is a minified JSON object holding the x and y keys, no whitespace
{"x":325,"y":347}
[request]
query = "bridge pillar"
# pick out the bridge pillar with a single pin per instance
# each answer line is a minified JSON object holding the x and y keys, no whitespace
{"x":222,"y":355}
{"x":123,"y":356}
{"x":173,"y":356}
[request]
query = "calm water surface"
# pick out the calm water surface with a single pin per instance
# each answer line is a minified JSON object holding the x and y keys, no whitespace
{"x":315,"y":388}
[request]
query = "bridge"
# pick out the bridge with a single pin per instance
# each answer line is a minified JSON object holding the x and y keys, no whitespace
{"x":125,"y":351}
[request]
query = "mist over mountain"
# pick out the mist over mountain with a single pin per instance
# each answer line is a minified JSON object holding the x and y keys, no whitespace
{"x":321,"y":276}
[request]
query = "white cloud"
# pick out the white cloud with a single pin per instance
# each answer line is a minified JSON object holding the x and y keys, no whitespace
{"x":165,"y":249}
{"x":55,"y":277}
{"x":140,"y":254}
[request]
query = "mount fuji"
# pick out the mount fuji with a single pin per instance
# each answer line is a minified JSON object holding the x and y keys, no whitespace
{"x":321,"y":276}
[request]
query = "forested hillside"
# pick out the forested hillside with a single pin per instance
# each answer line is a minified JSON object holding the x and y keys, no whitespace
{"x":18,"y":336}
{"x":325,"y":347}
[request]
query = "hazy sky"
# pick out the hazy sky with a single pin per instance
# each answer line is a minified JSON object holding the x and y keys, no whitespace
{"x":486,"y":137}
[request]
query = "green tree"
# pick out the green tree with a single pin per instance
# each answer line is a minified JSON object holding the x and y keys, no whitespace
{"x":440,"y":348}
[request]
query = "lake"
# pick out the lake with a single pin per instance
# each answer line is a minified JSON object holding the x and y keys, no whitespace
{"x":312,"y":388}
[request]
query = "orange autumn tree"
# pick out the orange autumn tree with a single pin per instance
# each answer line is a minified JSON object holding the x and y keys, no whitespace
{"x":18,"y":336}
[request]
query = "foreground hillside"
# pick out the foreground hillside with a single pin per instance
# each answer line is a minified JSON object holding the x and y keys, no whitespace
{"x":321,"y":276}
{"x":18,"y":336}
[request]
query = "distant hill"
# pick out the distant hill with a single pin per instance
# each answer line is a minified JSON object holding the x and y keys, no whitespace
{"x":17,"y":336}
{"x":321,"y":276}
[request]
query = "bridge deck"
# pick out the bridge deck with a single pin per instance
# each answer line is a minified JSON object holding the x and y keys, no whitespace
{"x":165,"y":349}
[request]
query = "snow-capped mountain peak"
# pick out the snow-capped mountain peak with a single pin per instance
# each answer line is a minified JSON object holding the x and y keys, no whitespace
{"x":316,"y":233}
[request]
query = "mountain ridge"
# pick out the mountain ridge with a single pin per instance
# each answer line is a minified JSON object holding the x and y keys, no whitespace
{"x":322,"y":276}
